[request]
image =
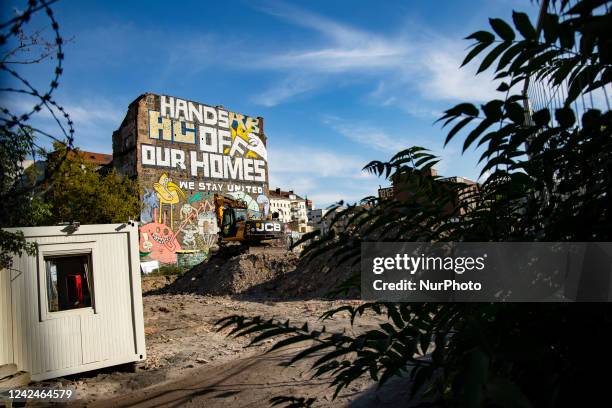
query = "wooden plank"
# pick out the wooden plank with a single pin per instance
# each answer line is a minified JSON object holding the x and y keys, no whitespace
{"x":7,"y":369}
{"x":21,"y":379}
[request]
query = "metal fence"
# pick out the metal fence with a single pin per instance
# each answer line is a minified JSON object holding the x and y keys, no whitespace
{"x":541,"y":94}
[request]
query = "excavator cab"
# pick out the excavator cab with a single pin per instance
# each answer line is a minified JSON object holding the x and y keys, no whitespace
{"x":232,"y":222}
{"x":235,"y":224}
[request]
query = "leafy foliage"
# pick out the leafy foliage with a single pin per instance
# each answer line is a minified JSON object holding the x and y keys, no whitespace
{"x":76,"y":191}
{"x":21,"y":46}
{"x":292,"y":402}
{"x":549,"y":179}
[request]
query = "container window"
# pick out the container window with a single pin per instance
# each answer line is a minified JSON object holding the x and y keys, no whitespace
{"x":69,"y":281}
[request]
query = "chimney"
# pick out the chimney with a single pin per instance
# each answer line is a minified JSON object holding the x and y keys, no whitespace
{"x":277,"y":190}
{"x":261,"y":125}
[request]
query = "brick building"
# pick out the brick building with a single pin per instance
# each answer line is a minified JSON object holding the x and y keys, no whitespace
{"x":182,"y":153}
{"x":465,"y":193}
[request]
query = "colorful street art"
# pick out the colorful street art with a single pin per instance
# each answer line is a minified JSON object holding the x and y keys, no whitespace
{"x":244,"y":140}
{"x":194,"y":151}
{"x":198,"y":229}
{"x":159,"y":241}
{"x":264,"y":204}
{"x":149,"y":203}
{"x":167,"y":193}
{"x":208,"y":142}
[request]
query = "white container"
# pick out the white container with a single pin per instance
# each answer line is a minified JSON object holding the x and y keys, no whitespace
{"x":76,"y":305}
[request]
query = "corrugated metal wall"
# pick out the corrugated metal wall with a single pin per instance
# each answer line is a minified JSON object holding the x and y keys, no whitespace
{"x":6,"y":329}
{"x":77,"y":338}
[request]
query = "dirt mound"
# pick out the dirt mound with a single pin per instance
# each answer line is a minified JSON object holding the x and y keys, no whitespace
{"x":278,"y":274}
{"x":150,"y":283}
{"x":232,"y":274}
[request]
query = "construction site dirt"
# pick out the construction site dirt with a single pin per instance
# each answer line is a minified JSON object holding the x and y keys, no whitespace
{"x":189,"y":363}
{"x":261,"y":272}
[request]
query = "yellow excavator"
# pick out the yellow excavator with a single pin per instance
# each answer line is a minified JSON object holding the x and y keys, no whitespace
{"x":236,"y":226}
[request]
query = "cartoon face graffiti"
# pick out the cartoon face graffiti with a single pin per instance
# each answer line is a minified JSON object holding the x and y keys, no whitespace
{"x":264,"y":204}
{"x":186,"y":211}
{"x":159,"y":241}
{"x":168,"y":193}
{"x":149,"y":202}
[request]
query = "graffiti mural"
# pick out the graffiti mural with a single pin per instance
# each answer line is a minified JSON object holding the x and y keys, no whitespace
{"x":167,"y":193}
{"x":244,"y":138}
{"x":158,"y":241}
{"x":149,"y":204}
{"x":210,"y":142}
{"x":264,"y":204}
{"x":187,"y":152}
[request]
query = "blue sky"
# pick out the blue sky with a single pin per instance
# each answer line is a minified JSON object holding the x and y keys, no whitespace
{"x":339,"y":83}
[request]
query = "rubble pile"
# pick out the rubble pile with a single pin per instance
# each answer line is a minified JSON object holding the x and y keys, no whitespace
{"x":274,"y":275}
{"x":234,"y":274}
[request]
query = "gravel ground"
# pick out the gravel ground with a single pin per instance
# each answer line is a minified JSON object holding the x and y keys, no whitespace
{"x":183,"y":347}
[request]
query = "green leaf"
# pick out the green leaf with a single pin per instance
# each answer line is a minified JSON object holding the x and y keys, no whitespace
{"x":565,"y":117}
{"x":477,"y":131}
{"x":567,"y":35}
{"x":586,"y":7}
{"x":515,"y":112}
{"x":481,"y":36}
{"x":502,"y":29}
{"x":524,"y":26}
{"x":523,"y":57}
{"x":509,"y":55}
{"x":467,"y":109}
{"x":580,"y":82}
{"x":457,"y":128}
{"x":587,"y":44}
{"x":550,"y":23}
{"x":493,"y":109}
{"x":503,"y":87}
{"x":563,"y":70}
{"x":492,"y":56}
{"x":474,"y":52}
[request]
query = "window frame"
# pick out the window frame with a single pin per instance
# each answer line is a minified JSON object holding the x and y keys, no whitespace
{"x":67,"y":249}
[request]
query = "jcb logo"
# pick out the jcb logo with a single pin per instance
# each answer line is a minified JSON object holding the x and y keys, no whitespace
{"x":268,"y":227}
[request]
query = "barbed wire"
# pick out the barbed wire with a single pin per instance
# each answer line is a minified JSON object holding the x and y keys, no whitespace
{"x":12,"y":123}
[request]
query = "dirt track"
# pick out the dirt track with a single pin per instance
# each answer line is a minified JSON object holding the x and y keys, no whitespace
{"x":190,"y":364}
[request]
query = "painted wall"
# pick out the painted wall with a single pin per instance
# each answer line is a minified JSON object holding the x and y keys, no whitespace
{"x":184,"y":153}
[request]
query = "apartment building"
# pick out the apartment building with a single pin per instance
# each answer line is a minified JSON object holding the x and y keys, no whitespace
{"x":291,"y":209}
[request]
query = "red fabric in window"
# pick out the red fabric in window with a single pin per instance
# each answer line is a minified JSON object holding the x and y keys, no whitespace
{"x":75,"y":288}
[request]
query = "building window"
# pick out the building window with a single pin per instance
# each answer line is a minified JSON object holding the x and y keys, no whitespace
{"x":69,"y":281}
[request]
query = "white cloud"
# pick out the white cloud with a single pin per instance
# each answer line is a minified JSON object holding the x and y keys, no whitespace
{"x":407,"y":62}
{"x":370,"y":136}
{"x":324,"y":176}
{"x":285,"y":89}
{"x":314,"y":161}
{"x":445,"y":81}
